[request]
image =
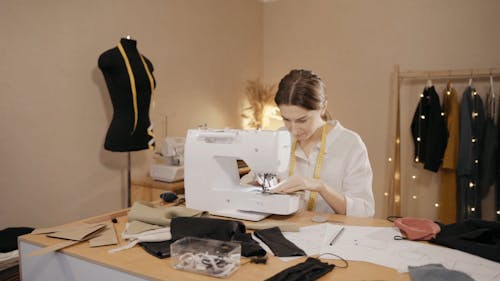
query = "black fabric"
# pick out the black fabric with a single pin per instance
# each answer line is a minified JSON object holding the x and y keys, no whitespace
{"x":309,"y":270}
{"x":121,"y":135}
{"x":471,"y":128}
{"x":200,"y":227}
{"x":279,"y":245}
{"x":488,"y":157}
{"x":8,"y":237}
{"x":431,"y":131}
{"x":158,"y":249}
{"x":477,"y":237}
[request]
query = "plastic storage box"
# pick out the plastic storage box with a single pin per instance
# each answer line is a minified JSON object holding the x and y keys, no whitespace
{"x":206,"y":256}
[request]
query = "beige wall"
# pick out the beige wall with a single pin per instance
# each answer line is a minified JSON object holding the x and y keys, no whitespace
{"x":55,"y":107}
{"x":354,"y":45}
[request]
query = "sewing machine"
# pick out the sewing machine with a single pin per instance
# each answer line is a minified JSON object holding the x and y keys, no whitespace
{"x":212,"y":180}
{"x":169,"y":166}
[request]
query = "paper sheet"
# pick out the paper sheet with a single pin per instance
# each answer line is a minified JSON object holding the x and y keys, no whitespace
{"x":377,"y":245}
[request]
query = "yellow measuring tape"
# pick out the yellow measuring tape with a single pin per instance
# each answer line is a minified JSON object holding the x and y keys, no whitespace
{"x":134,"y":91}
{"x":319,"y":163}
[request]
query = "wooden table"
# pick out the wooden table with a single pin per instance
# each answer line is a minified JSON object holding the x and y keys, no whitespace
{"x":80,"y":262}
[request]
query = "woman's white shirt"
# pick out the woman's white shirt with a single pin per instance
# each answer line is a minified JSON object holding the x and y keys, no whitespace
{"x":346,"y":168}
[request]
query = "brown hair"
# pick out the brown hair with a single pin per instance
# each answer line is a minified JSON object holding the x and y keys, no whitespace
{"x":302,"y":88}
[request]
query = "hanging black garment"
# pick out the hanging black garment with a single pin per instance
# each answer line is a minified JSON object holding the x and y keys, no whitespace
{"x":130,"y":128}
{"x":489,"y":149}
{"x":477,"y":237}
{"x":471,"y":128}
{"x":429,"y":131}
{"x":497,"y":185}
{"x":309,"y":270}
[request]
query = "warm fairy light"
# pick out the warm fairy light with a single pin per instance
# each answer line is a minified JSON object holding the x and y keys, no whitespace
{"x":474,"y":140}
{"x":476,"y":161}
{"x":416,"y":159}
{"x":448,"y":93}
{"x":414,"y":197}
{"x":396,"y":198}
{"x":442,"y":113}
{"x":474,"y":93}
{"x":386,"y":193}
{"x":421,"y":95}
{"x":397,"y":141}
{"x":472,"y":209}
{"x":396,"y":175}
{"x":422,"y":116}
{"x":390,"y":159}
{"x":418,"y":138}
{"x":471,"y":184}
{"x":498,"y":212}
{"x":413,"y":177}
{"x":436,"y":205}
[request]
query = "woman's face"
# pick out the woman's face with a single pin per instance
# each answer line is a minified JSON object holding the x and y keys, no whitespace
{"x":301,"y":122}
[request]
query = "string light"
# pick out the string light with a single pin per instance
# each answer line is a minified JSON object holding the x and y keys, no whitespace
{"x":396,"y":198}
{"x":414,"y":197}
{"x":397,"y":141}
{"x":414,"y":177}
{"x":448,"y":93}
{"x":472,"y":209}
{"x":389,"y":159}
{"x":386,"y":194}
{"x":436,"y":205}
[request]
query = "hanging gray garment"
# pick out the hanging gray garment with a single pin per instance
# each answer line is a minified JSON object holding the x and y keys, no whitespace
{"x":471,"y":128}
{"x":489,"y":149}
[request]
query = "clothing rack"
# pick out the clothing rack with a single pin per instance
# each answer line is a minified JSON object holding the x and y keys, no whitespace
{"x":398,"y":76}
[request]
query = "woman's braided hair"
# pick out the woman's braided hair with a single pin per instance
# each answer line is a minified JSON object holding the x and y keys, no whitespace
{"x":302,"y":88}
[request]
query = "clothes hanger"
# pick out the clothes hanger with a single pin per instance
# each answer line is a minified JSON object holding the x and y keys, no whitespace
{"x":428,"y":84}
{"x":491,"y":86}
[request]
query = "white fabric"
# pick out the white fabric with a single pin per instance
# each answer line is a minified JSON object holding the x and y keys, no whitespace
{"x":346,"y":168}
{"x":155,"y":235}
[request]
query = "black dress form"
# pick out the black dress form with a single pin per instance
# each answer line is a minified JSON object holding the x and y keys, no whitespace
{"x":126,"y":131}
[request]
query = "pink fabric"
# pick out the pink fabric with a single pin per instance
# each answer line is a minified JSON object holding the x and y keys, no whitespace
{"x":417,"y":229}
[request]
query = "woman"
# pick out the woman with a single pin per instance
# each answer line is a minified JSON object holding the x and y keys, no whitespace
{"x":328,"y":161}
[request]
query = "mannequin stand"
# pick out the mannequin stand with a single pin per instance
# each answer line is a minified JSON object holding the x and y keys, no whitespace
{"x":129,"y":162}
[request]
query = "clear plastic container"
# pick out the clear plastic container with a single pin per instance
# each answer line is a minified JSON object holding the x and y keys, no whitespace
{"x":206,"y":256}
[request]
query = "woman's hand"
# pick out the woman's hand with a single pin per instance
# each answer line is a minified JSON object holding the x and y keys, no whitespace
{"x":297,"y":183}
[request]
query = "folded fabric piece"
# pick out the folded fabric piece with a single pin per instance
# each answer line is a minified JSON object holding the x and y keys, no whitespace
{"x":417,"y":228}
{"x":135,"y":227}
{"x":8,"y":237}
{"x":154,"y":235}
{"x":477,"y":237}
{"x":279,"y":245}
{"x":160,"y":250}
{"x":159,"y":215}
{"x":309,"y":270}
{"x":218,"y":229}
{"x":436,"y":272}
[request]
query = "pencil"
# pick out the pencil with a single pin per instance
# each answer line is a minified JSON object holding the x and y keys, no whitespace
{"x":336,"y":236}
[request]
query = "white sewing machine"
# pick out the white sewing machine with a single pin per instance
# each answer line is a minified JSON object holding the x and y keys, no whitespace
{"x":212,"y":180}
{"x":170,"y":166}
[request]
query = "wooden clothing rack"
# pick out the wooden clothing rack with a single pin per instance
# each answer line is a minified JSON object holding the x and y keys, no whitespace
{"x":398,"y":76}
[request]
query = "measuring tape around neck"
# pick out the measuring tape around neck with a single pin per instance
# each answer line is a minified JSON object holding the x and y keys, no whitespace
{"x":319,"y":163}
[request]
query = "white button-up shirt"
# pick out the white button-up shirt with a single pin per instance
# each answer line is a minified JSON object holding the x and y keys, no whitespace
{"x":346,"y":169}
